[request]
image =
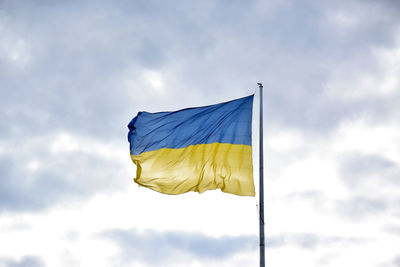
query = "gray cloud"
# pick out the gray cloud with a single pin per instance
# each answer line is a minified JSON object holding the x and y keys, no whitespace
{"x":393,"y":229}
{"x":71,"y":176}
{"x":27,"y":261}
{"x":362,"y":173}
{"x":301,"y":101}
{"x":396,"y":261}
{"x":80,"y":82}
{"x":311,"y":241}
{"x":357,"y":169}
{"x":316,"y":198}
{"x":155,"y":247}
{"x":355,"y":207}
{"x":72,"y":79}
{"x":358,"y":207}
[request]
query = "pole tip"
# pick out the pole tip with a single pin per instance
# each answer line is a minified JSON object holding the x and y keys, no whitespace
{"x":259,"y":84}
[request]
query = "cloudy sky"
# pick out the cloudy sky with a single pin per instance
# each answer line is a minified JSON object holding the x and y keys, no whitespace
{"x":74,"y":73}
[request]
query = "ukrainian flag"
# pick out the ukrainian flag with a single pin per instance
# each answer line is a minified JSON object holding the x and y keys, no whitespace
{"x":195,"y":149}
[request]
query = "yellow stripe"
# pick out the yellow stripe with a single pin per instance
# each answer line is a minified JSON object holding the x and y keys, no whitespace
{"x":197,"y":168}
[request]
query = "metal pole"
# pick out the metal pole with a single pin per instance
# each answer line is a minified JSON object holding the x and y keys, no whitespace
{"x":261,"y":137}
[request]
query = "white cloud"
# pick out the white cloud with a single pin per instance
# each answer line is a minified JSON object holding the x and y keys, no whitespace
{"x":155,"y":80}
{"x":344,"y":20}
{"x":16,"y":51}
{"x":33,"y":165}
{"x":367,"y":137}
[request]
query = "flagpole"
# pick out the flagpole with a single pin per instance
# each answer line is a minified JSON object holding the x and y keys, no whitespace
{"x":261,"y":213}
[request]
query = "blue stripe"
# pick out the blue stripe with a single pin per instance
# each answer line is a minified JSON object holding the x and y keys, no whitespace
{"x":228,"y":122}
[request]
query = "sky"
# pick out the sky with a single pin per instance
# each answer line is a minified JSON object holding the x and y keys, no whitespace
{"x":74,"y":73}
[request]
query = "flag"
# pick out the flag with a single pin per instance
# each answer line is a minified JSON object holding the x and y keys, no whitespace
{"x":195,"y":149}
